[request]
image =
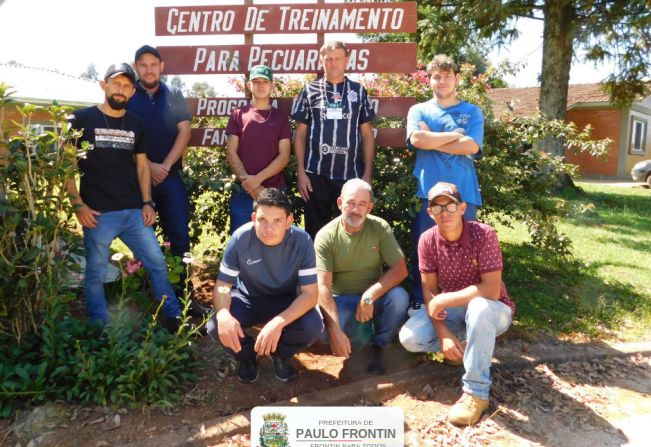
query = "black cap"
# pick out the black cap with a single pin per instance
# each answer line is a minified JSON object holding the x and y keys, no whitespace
{"x":147,"y":49}
{"x":120,"y":69}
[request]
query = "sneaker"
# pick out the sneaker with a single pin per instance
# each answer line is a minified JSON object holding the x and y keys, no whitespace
{"x":247,"y":371}
{"x":414,"y":307}
{"x":376,"y":365}
{"x":467,"y":410}
{"x":283,"y":369}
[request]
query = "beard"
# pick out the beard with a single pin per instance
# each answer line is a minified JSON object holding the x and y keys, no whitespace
{"x":149,"y":85}
{"x":115,"y":104}
{"x":354,"y":220}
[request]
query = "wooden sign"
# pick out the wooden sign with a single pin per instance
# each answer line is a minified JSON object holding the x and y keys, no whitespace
{"x":304,"y":58}
{"x":384,"y":137}
{"x":284,"y":19}
{"x":384,"y":106}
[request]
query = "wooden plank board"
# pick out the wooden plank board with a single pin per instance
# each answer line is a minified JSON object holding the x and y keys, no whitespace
{"x":364,"y":17}
{"x":384,"y":137}
{"x":385,"y":106}
{"x":286,"y":58}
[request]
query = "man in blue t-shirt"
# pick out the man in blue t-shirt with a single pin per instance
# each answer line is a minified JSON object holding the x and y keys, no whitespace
{"x":447,"y":134}
{"x":334,"y":140}
{"x":267,"y":276}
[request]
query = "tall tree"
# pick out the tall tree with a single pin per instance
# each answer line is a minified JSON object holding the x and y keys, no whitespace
{"x":202,"y":90}
{"x":177,"y":82}
{"x":435,"y":36}
{"x":90,"y":73}
{"x":618,"y":31}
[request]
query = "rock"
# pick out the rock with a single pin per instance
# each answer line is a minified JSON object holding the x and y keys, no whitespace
{"x":103,"y":444}
{"x":116,"y":420}
{"x":38,"y":424}
{"x":427,"y":392}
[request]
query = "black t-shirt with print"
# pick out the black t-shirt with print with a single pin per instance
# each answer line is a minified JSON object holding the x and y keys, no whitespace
{"x":109,"y":180}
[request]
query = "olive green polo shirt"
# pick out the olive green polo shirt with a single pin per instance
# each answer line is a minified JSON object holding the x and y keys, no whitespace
{"x":356,"y":260}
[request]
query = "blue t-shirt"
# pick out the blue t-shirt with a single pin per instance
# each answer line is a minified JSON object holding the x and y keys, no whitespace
{"x":261,"y":271}
{"x":161,"y":112}
{"x":433,"y":166}
{"x":333,"y":148}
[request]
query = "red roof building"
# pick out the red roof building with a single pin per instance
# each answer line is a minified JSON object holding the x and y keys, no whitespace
{"x":590,"y":104}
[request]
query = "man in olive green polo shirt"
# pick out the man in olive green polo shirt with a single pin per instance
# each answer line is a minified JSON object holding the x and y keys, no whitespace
{"x":352,"y":251}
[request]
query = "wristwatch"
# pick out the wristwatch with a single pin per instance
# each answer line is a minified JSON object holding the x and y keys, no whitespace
{"x":150,"y":203}
{"x":367,"y":300}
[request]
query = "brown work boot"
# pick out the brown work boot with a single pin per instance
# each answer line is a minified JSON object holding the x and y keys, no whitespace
{"x":467,"y":410}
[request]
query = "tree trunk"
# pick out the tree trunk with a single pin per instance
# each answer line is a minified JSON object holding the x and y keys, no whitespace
{"x":558,"y":48}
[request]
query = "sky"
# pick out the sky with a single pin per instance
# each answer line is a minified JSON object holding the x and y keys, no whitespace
{"x":68,"y":35}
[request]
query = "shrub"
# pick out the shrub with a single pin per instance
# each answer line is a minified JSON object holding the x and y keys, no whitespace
{"x":45,"y":352}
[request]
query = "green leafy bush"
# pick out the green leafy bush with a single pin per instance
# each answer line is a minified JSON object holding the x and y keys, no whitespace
{"x":34,"y":209}
{"x":45,"y":352}
{"x":128,"y":362}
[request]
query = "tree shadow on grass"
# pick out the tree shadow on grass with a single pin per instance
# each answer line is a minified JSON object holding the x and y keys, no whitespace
{"x":563,"y":295}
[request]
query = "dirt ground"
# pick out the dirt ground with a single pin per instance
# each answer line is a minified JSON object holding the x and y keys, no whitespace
{"x":601,"y":403}
{"x":575,"y":404}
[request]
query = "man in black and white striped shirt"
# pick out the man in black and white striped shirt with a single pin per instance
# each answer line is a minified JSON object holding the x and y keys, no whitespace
{"x":334,"y":139}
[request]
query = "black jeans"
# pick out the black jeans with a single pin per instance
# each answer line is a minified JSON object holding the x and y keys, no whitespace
{"x":297,"y":335}
{"x":321,"y":207}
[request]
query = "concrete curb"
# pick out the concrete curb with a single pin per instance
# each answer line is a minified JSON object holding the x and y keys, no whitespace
{"x":387,"y":386}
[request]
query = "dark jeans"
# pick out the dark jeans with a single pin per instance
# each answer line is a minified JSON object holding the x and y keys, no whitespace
{"x":240,"y":207}
{"x":321,"y":207}
{"x":173,"y":208}
{"x":389,"y":312}
{"x":297,"y":335}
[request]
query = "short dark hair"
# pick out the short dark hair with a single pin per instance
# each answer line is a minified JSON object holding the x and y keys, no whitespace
{"x":273,"y":197}
{"x":147,"y":49}
{"x":441,"y":62}
{"x":334,"y":45}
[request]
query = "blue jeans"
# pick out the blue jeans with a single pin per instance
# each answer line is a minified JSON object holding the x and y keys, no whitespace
{"x":422,"y":223}
{"x":389,"y":312}
{"x":141,"y":240}
{"x":173,"y":208}
{"x":478,"y":323}
{"x":240,"y":207}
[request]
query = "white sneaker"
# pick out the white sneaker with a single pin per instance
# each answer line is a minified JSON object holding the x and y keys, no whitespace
{"x":413,"y":309}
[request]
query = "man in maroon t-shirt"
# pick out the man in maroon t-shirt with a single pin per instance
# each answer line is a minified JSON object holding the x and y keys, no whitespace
{"x":257,"y":147}
{"x":460,"y":264}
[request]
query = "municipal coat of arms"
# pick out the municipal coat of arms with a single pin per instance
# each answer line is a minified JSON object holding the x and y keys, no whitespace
{"x":274,"y":431}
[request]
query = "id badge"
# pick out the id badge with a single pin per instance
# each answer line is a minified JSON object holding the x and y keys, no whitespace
{"x":334,"y":111}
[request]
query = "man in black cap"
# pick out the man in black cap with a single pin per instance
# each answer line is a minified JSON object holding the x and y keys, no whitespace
{"x":167,"y":125}
{"x":114,"y":198}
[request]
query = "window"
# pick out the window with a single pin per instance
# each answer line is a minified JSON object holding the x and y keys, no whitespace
{"x":638,"y":136}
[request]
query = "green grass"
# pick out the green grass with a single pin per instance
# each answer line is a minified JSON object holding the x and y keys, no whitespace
{"x":605,"y":291}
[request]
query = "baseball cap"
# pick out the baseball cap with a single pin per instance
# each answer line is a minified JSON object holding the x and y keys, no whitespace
{"x":147,"y":49}
{"x":444,"y":189}
{"x":261,"y":71}
{"x":120,"y":69}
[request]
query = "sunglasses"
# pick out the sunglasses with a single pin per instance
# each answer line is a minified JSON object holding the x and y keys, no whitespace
{"x":449,"y":207}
